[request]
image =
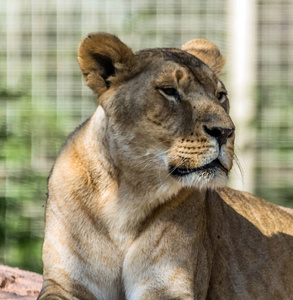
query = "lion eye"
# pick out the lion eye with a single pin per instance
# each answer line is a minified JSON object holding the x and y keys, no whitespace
{"x":170,"y":93}
{"x":221,"y":96}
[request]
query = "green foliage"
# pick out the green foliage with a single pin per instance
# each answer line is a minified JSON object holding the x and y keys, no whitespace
{"x":30,"y":138}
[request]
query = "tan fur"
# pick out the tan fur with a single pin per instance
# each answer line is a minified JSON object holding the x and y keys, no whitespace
{"x":106,"y":46}
{"x":126,"y":220}
{"x":208,"y":52}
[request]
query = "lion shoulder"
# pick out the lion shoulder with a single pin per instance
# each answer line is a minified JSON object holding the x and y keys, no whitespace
{"x":266,"y":216}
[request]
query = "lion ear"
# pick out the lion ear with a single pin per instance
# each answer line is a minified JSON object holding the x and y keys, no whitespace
{"x":100,"y":56}
{"x":207,"y":52}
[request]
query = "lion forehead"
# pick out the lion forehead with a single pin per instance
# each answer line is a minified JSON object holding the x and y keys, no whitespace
{"x":180,"y":58}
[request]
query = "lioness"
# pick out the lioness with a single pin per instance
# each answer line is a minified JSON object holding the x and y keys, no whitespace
{"x":137,"y":207}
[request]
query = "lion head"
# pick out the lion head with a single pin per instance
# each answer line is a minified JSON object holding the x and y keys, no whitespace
{"x":166,"y":110}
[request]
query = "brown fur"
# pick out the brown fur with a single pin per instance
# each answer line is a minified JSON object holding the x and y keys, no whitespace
{"x":206,"y":51}
{"x":122,"y":219}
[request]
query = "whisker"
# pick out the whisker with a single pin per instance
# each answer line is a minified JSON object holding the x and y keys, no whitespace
{"x":146,"y":162}
{"x":152,"y":159}
{"x":238,"y":164}
{"x":180,"y":162}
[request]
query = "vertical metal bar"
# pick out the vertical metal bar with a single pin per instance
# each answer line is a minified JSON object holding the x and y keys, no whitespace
{"x":242,"y":77}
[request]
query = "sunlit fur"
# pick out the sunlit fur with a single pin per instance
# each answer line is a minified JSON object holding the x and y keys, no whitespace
{"x":123,"y":224}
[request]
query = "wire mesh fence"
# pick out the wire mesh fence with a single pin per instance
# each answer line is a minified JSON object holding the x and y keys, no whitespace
{"x":43,"y":97}
{"x":274,"y":155}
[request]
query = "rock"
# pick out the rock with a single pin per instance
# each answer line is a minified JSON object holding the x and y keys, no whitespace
{"x":19,"y":284}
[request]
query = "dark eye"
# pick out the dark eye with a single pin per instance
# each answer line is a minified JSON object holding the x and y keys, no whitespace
{"x":221,"y":96}
{"x":170,"y":93}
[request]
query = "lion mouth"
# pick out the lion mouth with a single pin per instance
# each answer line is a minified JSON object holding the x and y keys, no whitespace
{"x":183,"y":172}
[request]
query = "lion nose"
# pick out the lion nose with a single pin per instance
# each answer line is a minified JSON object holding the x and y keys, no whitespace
{"x":221,"y":134}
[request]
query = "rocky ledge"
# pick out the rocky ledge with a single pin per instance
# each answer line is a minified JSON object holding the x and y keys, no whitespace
{"x":19,"y":284}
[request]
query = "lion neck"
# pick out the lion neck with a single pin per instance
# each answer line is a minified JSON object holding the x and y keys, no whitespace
{"x":126,"y":201}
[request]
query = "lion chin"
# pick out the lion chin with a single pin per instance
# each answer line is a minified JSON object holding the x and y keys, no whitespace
{"x":137,"y":208}
{"x":209,"y":176}
{"x":205,"y":179}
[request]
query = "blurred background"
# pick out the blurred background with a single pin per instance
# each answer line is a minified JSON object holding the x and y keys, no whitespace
{"x":43,"y":96}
